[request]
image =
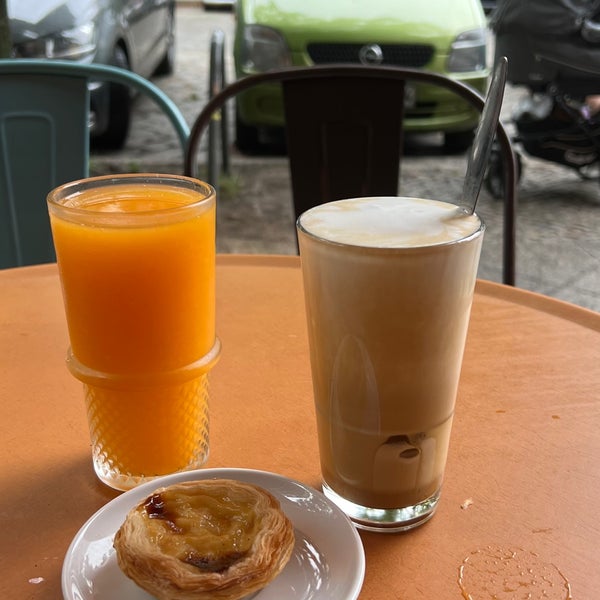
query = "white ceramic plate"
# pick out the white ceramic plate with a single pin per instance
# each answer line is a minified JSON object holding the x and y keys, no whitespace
{"x":328,"y":560}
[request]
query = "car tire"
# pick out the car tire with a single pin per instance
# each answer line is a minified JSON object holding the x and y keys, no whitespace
{"x":246,"y":137}
{"x":167,"y":65}
{"x":456,"y":142}
{"x":119,"y":109}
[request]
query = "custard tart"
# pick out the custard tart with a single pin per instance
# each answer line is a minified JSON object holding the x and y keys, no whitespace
{"x":210,"y":539}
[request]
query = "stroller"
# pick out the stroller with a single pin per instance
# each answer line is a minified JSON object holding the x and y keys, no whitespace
{"x":553,"y":49}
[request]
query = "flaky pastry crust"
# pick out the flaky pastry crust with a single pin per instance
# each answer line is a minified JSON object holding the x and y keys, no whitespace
{"x":205,"y":540}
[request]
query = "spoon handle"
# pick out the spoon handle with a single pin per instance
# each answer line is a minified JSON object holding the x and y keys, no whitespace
{"x":484,"y":136}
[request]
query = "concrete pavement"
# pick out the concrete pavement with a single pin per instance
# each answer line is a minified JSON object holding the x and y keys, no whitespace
{"x":558,"y":232}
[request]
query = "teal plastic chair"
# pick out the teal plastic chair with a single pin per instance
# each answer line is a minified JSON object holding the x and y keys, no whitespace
{"x":44,"y":142}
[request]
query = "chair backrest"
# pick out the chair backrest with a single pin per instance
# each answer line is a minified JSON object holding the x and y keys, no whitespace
{"x":44,"y":142}
{"x":344,"y":134}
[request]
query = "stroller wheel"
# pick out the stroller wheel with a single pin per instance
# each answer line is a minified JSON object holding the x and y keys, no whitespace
{"x":494,"y":177}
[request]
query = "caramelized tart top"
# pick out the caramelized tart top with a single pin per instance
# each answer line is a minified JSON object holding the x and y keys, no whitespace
{"x":213,"y":538}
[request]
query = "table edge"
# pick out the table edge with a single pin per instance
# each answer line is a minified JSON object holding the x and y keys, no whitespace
{"x":568,"y":311}
{"x":259,"y":260}
{"x":553,"y":306}
{"x":562,"y":309}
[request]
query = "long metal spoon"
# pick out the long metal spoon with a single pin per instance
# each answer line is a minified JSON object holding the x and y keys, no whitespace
{"x":484,"y":136}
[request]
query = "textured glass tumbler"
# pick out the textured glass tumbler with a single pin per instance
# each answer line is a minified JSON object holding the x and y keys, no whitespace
{"x":144,"y":428}
{"x":117,"y":461}
{"x":136,"y":258}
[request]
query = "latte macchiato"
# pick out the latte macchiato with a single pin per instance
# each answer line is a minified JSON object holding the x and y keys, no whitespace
{"x":388,"y":285}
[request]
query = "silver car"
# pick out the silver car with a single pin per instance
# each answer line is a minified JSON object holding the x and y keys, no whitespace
{"x":133,"y":34}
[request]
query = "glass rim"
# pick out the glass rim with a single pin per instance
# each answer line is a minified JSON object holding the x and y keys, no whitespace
{"x":390,"y":249}
{"x":58,"y":198}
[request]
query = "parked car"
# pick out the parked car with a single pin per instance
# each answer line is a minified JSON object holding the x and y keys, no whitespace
{"x":448,"y":37}
{"x":132,"y":34}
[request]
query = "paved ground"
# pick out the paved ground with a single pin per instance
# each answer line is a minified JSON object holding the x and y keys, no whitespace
{"x":558,"y":248}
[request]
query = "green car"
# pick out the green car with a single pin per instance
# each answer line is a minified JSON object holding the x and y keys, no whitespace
{"x":445,"y":36}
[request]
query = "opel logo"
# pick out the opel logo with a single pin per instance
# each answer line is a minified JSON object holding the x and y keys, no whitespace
{"x":370,"y":55}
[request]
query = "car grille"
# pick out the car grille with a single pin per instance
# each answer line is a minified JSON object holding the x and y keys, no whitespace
{"x":404,"y":55}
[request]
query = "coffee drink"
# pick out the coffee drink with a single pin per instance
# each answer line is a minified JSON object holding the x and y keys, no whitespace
{"x":388,"y":286}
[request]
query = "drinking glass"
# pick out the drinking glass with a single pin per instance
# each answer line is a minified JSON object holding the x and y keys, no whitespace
{"x":388,"y":288}
{"x":136,"y":258}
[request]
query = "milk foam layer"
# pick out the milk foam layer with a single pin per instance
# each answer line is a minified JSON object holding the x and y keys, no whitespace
{"x":389,"y":222}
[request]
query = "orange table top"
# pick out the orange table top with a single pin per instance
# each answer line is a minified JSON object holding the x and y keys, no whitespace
{"x":523,"y":472}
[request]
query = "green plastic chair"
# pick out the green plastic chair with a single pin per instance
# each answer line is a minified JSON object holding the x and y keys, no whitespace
{"x":44,"y":142}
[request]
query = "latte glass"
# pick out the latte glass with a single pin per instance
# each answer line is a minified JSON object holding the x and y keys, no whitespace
{"x":388,"y":285}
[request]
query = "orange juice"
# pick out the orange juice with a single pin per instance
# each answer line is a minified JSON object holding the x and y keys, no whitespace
{"x":136,"y":257}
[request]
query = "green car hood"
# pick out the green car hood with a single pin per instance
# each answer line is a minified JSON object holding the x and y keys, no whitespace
{"x":365,"y":21}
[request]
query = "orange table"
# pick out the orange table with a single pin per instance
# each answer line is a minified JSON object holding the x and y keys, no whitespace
{"x":524,"y":466}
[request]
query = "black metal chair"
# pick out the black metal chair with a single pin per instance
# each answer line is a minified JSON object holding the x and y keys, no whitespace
{"x":344,"y":132}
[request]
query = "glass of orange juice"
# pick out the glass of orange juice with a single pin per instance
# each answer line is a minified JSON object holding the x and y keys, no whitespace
{"x":136,"y":258}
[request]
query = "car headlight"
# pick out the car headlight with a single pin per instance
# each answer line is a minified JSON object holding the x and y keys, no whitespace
{"x":263,"y":49}
{"x":468,"y":52}
{"x":73,"y":44}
